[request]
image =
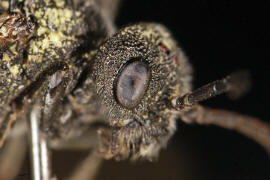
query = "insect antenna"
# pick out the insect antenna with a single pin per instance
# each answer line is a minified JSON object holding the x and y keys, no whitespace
{"x":236,"y":85}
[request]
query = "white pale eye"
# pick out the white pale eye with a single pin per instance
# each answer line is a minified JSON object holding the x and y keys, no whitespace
{"x":132,"y":83}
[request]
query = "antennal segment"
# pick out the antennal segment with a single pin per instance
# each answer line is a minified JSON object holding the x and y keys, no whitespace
{"x":235,"y":85}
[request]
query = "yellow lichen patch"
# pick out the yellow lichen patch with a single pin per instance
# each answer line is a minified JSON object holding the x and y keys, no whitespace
{"x":6,"y":57}
{"x":61,"y":19}
{"x":39,"y":46}
{"x":54,"y":25}
{"x":42,"y":30}
{"x":14,"y":70}
{"x":56,"y":38}
{"x":4,"y":31}
{"x":48,"y":2}
{"x":35,"y":58}
{"x":51,"y":41}
{"x":60,"y":3}
{"x":13,"y":49}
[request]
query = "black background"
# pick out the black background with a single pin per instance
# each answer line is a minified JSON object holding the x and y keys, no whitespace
{"x":219,"y":37}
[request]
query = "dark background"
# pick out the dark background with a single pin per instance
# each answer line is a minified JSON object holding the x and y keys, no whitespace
{"x":219,"y":37}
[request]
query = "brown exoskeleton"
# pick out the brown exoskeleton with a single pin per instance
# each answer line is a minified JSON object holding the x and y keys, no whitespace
{"x":77,"y":89}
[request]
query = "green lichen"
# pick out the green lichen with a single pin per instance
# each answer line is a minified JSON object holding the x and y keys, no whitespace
{"x":60,"y":30}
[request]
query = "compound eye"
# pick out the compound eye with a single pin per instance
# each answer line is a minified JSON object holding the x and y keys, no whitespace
{"x":131,"y":83}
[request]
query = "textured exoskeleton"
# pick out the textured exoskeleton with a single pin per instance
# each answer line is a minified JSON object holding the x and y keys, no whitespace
{"x":80,"y":84}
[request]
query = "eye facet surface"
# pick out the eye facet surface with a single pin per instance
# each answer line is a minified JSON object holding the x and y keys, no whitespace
{"x":131,"y":83}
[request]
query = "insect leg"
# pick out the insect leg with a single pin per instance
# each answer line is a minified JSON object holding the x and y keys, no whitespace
{"x":85,"y":142}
